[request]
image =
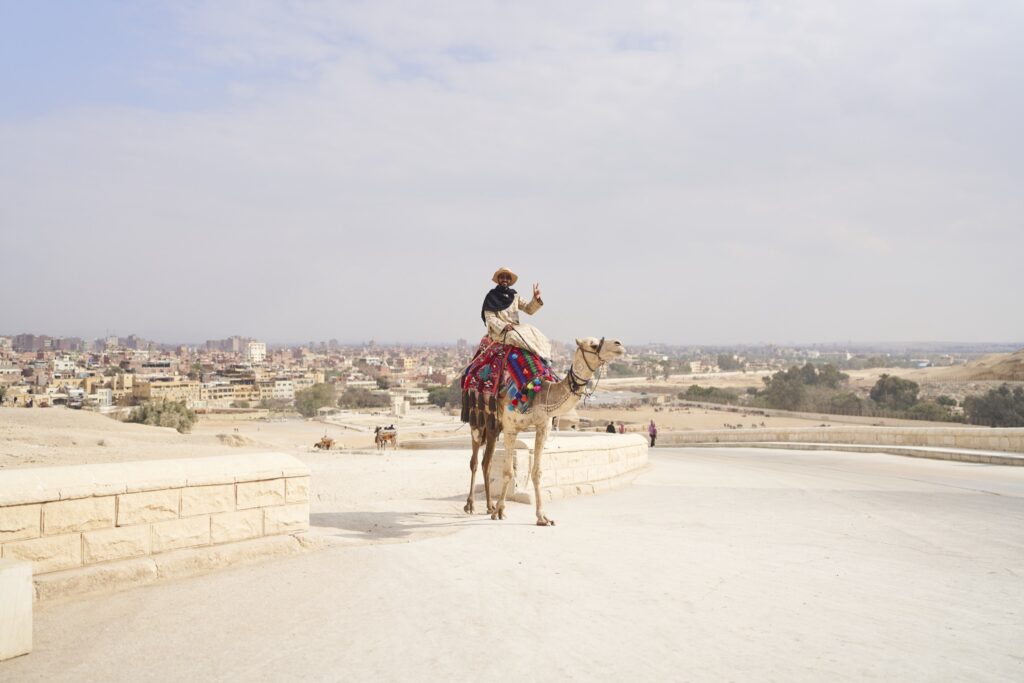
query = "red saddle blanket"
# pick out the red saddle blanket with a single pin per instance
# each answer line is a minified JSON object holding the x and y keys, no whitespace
{"x":497,"y":369}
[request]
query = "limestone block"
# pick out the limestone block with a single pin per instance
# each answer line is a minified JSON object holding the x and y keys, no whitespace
{"x":115,"y":544}
{"x":82,"y":514}
{"x":148,"y":506}
{"x":96,"y":578}
{"x":284,"y":519}
{"x":236,"y":526}
{"x":47,"y":554}
{"x":181,"y":533}
{"x":254,"y":494}
{"x":19,"y":522}
{"x":16,"y":593}
{"x":297,"y":489}
{"x":205,"y":500}
{"x":21,"y":486}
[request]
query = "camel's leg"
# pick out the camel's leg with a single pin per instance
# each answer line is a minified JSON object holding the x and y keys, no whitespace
{"x":538,"y":454}
{"x":490,"y":441}
{"x":472,"y":468}
{"x":506,"y":474}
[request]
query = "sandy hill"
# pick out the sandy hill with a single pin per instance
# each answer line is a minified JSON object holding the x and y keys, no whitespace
{"x":57,"y":436}
{"x":1006,"y":367}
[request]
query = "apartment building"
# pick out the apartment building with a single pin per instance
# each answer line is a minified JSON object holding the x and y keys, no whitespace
{"x":277,"y":389}
{"x":170,"y":388}
{"x":256,"y":352}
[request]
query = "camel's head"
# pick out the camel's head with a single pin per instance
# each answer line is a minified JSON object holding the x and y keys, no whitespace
{"x":605,"y":349}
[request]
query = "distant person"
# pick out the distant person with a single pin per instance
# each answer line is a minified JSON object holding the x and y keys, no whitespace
{"x":622,"y":428}
{"x":610,"y":428}
{"x":652,"y":431}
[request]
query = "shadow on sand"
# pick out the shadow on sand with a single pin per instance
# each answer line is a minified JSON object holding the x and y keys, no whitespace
{"x":392,"y":525}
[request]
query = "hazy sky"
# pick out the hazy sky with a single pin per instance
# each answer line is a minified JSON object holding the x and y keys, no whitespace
{"x":685,"y":172}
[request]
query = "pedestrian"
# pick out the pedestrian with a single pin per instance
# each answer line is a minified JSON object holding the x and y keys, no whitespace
{"x":652,"y":431}
{"x":610,"y":428}
{"x":622,"y":428}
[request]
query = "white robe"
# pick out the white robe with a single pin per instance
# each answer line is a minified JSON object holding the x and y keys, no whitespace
{"x":522,"y":335}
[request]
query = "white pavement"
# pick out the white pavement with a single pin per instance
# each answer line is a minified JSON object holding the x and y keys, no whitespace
{"x":725,"y":564}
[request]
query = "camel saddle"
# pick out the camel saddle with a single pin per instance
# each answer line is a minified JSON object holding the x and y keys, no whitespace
{"x":498,"y":369}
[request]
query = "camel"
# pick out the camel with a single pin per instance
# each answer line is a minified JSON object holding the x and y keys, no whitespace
{"x":554,"y":399}
{"x":383,"y":436}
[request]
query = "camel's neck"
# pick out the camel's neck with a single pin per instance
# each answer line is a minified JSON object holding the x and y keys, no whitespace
{"x":562,"y":394}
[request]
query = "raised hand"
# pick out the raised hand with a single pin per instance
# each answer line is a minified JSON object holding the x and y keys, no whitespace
{"x":536,"y":290}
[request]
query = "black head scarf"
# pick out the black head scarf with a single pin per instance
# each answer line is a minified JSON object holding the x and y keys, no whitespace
{"x":498,"y":299}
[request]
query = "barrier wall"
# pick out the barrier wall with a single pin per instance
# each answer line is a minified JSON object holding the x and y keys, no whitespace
{"x":151,"y":514}
{"x":1008,"y":440}
{"x":573,"y":464}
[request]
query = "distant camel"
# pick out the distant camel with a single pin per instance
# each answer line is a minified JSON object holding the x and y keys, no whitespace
{"x":382,"y":437}
{"x":553,"y":399}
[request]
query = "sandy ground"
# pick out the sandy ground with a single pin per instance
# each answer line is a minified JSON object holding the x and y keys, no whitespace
{"x":59,"y":436}
{"x":733,"y":564}
{"x":742,"y":380}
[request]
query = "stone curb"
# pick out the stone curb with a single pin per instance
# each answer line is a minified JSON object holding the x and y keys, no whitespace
{"x":909,"y":451}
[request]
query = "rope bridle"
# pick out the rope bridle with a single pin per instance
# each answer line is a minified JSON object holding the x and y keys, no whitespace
{"x":577,"y":385}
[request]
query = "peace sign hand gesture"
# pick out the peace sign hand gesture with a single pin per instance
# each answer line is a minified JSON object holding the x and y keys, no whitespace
{"x":536,"y":291}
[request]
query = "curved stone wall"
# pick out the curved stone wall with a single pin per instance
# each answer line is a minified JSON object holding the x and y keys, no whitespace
{"x":85,"y":525}
{"x":573,"y":464}
{"x":1008,"y":440}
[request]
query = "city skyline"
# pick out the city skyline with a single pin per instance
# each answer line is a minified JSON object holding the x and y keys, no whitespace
{"x":852,"y":344}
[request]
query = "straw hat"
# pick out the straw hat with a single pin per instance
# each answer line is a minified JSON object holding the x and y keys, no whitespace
{"x":503,"y":269}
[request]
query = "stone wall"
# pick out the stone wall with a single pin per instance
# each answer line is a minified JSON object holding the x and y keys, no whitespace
{"x":1008,"y":440}
{"x":65,"y":519}
{"x":573,"y":464}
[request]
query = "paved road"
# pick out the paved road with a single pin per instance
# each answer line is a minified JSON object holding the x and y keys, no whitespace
{"x":725,"y":564}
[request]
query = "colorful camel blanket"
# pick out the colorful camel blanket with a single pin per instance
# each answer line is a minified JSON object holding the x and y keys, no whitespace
{"x":497,"y":369}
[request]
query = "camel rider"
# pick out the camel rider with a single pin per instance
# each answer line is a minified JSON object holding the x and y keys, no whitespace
{"x":500,"y":312}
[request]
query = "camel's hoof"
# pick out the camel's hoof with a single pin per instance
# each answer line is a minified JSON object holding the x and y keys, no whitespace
{"x":498,"y":514}
{"x":491,"y":509}
{"x":544,"y":521}
{"x":468,"y":509}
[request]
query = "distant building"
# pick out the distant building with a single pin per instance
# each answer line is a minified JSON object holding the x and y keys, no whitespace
{"x":102,"y":397}
{"x":170,"y":388}
{"x":416,"y":396}
{"x":256,"y":352}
